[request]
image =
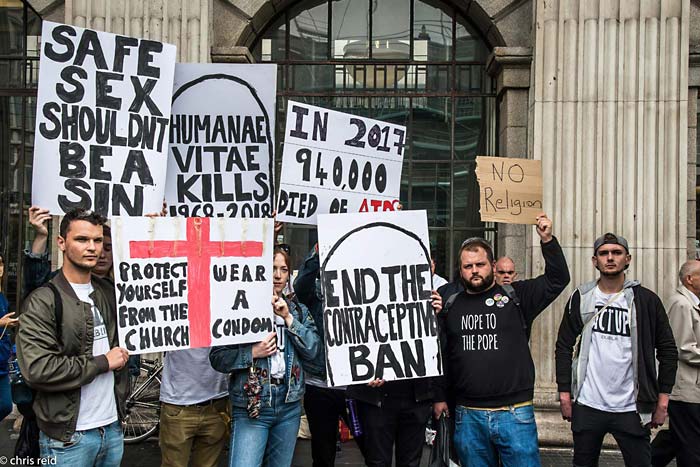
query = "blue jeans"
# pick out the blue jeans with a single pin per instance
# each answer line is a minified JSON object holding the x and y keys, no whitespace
{"x":101,"y":447}
{"x":268,"y":439}
{"x":481,"y":436}
{"x":5,"y":397}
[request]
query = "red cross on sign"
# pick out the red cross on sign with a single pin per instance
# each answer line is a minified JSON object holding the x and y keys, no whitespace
{"x":199,"y":251}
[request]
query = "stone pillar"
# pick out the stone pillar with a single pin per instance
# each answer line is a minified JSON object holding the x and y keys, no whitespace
{"x":693,"y":94}
{"x":510,"y":67}
{"x":185,"y":23}
{"x":692,"y":169}
{"x":609,"y":120}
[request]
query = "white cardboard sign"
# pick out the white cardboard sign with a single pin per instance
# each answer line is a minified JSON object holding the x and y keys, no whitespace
{"x":335,"y":162}
{"x":222,"y":141}
{"x":103,"y":117}
{"x":192,"y":282}
{"x":376,"y":281}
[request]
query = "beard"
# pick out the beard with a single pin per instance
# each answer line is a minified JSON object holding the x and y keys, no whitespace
{"x":485,"y":284}
{"x":608,"y":273}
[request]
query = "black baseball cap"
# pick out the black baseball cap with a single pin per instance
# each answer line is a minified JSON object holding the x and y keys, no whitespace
{"x":610,"y":239}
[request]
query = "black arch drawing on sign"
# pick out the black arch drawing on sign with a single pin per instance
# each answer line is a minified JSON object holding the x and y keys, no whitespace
{"x":253,"y":93}
{"x":337,"y":245}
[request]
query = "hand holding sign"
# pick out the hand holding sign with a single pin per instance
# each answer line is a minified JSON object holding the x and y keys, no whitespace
{"x":377,"y":383}
{"x":39,"y":218}
{"x":281,"y":309}
{"x":265,"y":347}
{"x":117,"y":358}
{"x":437,"y":301}
{"x":544,"y":228}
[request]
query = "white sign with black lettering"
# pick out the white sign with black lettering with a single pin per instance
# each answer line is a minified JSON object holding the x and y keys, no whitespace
{"x":192,"y":282}
{"x":376,"y":282}
{"x":103,"y":114}
{"x":222,"y":141}
{"x":335,"y":162}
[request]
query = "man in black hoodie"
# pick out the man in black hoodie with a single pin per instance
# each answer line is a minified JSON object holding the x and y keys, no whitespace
{"x":623,"y":331}
{"x":484,"y":333}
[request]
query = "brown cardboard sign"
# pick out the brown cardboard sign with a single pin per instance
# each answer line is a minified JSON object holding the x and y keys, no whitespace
{"x":510,"y":189}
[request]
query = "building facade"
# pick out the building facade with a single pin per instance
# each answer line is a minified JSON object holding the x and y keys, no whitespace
{"x":604,"y":92}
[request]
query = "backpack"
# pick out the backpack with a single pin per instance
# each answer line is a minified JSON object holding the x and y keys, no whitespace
{"x":510,"y":291}
{"x":27,"y":445}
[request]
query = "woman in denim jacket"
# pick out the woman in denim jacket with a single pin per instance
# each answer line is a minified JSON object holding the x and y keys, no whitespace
{"x":269,"y":373}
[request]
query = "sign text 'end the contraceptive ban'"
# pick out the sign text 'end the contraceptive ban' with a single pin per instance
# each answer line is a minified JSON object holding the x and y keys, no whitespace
{"x":376,"y":281}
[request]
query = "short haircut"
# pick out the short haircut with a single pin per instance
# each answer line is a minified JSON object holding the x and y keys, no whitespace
{"x":474,"y":244}
{"x":80,"y":214}
{"x":688,"y":268}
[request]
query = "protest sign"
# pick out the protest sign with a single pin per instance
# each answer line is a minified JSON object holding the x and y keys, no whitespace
{"x":376,"y":282}
{"x":335,"y":162}
{"x":192,"y":282}
{"x":222,"y":141}
{"x":511,"y":189}
{"x":103,"y":111}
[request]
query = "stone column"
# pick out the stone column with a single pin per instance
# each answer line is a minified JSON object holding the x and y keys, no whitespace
{"x":510,"y":66}
{"x":609,"y":120}
{"x":185,"y":23}
{"x":693,"y":94}
{"x":692,"y":168}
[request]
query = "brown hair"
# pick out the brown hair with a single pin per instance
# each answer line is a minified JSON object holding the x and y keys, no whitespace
{"x":287,"y":257}
{"x":475,"y":244}
{"x":79,"y":214}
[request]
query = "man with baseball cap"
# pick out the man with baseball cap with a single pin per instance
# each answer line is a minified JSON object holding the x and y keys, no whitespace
{"x":609,"y":384}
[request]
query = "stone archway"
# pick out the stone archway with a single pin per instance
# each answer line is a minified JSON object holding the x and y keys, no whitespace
{"x":260,"y":14}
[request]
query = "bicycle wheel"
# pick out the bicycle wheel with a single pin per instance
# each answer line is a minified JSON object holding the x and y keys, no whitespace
{"x":143,"y":404}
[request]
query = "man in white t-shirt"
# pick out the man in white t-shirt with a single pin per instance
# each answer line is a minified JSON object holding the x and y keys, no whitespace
{"x":611,"y":384}
{"x":75,"y":364}
{"x":195,"y":410}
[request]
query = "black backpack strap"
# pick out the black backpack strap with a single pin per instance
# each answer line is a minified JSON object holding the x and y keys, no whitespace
{"x":510,"y":291}
{"x":449,"y":302}
{"x":58,"y":311}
